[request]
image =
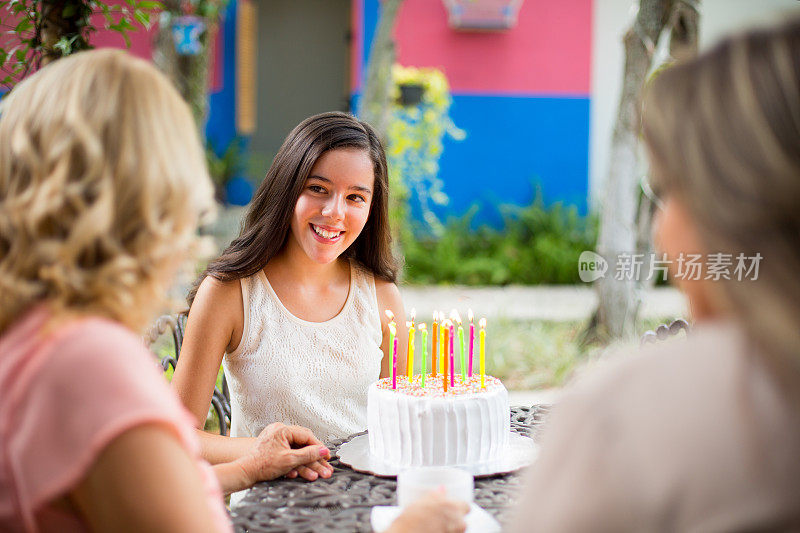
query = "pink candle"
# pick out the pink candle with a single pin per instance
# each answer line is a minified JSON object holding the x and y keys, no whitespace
{"x":452,"y":355}
{"x":394,"y":364}
{"x":471,"y":341}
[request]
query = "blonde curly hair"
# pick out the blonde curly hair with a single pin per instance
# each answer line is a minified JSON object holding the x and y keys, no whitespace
{"x":102,"y":186}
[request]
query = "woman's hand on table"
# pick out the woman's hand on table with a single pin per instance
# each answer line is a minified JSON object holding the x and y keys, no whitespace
{"x":286,"y":450}
{"x":432,"y":513}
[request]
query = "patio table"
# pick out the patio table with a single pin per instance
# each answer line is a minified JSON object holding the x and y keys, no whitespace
{"x":344,"y":502}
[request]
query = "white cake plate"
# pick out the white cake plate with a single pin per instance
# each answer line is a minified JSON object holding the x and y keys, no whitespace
{"x":520,"y":452}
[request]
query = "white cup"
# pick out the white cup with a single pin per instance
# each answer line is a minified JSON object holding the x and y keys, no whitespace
{"x":416,"y":483}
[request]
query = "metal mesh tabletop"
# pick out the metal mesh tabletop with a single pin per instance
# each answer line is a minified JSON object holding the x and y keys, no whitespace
{"x":344,"y":502}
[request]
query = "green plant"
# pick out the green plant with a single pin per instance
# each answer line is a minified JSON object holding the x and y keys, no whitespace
{"x":39,"y":31}
{"x":537,"y":244}
{"x":223,"y":167}
{"x":415,"y":144}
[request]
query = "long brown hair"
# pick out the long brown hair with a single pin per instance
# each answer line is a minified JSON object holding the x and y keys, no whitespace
{"x":266,"y":224}
{"x":723,"y":132}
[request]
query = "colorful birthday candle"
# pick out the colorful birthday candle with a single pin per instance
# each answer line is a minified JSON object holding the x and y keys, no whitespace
{"x":393,"y":346}
{"x":394,"y":364}
{"x":410,"y":357}
{"x":461,"y":361}
{"x":471,"y":341}
{"x":442,"y":343}
{"x":434,"y":344}
{"x":424,"y":331}
{"x":452,"y":362}
{"x":482,"y":352}
{"x":445,"y":359}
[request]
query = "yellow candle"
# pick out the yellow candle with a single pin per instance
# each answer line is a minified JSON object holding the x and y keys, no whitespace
{"x":423,"y":370}
{"x":442,"y":349}
{"x":434,"y":344}
{"x":410,"y":358}
{"x":392,"y":346}
{"x":482,"y":352}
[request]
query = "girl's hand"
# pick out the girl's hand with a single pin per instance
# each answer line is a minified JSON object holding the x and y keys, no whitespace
{"x":432,"y":513}
{"x":280,"y":450}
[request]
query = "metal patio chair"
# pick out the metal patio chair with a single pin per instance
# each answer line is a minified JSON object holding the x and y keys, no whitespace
{"x":176,"y":324}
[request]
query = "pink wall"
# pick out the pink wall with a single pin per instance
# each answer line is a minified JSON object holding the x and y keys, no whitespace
{"x":548,"y":52}
{"x":141,"y":39}
{"x":142,"y":46}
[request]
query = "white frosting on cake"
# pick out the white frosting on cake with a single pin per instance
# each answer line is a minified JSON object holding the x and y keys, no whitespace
{"x":426,"y":427}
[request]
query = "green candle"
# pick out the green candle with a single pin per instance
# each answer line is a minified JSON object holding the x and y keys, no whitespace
{"x":392,"y":346}
{"x":461,"y":353}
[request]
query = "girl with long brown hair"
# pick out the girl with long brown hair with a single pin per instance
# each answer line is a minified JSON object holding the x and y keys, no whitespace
{"x":294,"y":307}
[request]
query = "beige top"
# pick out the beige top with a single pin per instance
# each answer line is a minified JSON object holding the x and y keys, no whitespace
{"x":312,"y":374}
{"x":691,"y":435}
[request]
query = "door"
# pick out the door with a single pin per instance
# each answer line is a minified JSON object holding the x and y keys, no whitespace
{"x":303,"y":67}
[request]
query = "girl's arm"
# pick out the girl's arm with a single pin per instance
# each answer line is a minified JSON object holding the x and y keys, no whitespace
{"x":215,"y":326}
{"x":144,"y":480}
{"x":389,"y":298}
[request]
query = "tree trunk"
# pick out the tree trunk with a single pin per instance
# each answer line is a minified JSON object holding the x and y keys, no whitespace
{"x":189,"y":73}
{"x":618,"y":298}
{"x":682,"y":45}
{"x":52,"y":26}
{"x":375,"y":101}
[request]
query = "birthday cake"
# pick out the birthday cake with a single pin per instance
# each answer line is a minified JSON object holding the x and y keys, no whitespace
{"x":412,"y":425}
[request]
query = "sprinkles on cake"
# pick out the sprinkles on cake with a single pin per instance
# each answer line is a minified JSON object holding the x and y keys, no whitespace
{"x":435,"y":388}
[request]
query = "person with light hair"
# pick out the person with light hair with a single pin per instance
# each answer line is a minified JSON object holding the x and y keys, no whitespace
{"x":701,"y":434}
{"x":102,"y":186}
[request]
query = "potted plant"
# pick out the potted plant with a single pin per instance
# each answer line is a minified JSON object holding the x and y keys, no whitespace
{"x":411,"y":93}
{"x":227,"y":171}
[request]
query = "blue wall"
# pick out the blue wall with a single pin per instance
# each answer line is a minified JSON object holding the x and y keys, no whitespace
{"x":513,"y":145}
{"x":221,"y":124}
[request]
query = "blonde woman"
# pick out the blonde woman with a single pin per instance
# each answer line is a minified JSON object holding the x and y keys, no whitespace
{"x":102,"y":185}
{"x":702,"y":434}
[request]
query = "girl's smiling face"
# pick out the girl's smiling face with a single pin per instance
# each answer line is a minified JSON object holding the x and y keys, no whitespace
{"x":334,"y":205}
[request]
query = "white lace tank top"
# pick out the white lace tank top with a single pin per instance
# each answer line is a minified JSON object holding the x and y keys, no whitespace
{"x":312,"y":374}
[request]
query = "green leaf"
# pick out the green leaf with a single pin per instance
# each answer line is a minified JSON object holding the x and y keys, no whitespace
{"x":21,"y":55}
{"x":64,"y":45}
{"x":127,"y":40}
{"x":23,"y":25}
{"x":149,"y":5}
{"x":143,"y":18}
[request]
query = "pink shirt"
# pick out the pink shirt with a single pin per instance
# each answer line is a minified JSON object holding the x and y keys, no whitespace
{"x":65,"y":394}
